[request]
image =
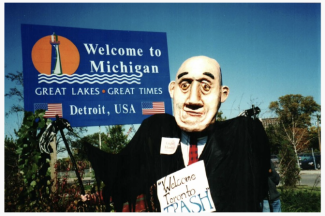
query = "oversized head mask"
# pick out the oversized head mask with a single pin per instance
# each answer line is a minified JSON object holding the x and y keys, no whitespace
{"x":197,"y":93}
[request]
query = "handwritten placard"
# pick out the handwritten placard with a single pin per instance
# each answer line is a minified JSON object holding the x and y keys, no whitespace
{"x":186,"y":190}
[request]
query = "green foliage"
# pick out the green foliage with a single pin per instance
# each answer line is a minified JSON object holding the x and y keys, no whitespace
{"x":300,"y":200}
{"x":292,"y":134}
{"x":116,"y":140}
{"x":11,"y":159}
{"x":29,"y":190}
{"x":28,"y":184}
{"x":112,"y":142}
{"x":16,"y":92}
{"x":219,"y":116}
{"x":313,"y":137}
{"x":288,"y":160}
{"x":91,"y":138}
{"x":295,"y":108}
{"x":71,"y":137}
{"x":274,"y":138}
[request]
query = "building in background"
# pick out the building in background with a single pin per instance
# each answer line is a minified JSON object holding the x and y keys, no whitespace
{"x":269,"y":121}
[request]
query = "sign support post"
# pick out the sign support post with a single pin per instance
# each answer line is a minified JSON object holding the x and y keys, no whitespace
{"x":100,"y":139}
{"x":53,"y":160}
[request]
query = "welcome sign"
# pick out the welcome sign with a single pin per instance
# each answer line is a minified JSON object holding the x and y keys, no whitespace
{"x":95,"y":77}
{"x":186,"y":190}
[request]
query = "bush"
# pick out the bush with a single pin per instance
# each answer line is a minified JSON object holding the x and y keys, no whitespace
{"x":300,"y":200}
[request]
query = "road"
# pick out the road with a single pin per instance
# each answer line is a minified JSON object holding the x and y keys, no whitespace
{"x":310,"y":178}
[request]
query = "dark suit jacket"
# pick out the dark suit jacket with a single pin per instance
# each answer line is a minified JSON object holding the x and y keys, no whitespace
{"x":236,"y":158}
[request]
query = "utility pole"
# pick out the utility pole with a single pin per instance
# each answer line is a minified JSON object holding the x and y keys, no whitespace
{"x":318,"y":131}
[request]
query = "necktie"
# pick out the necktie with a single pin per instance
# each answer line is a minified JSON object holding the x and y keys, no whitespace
{"x":193,"y":156}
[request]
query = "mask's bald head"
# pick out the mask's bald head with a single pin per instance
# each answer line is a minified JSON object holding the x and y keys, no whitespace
{"x":197,"y":93}
{"x":211,"y":66}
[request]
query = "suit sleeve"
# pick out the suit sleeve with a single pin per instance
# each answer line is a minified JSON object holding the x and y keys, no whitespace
{"x":122,"y":173}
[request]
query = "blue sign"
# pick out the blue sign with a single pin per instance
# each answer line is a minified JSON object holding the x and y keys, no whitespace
{"x":95,"y":77}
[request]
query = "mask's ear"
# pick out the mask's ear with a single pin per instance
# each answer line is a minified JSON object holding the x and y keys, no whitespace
{"x":224,"y":93}
{"x":171,"y":89}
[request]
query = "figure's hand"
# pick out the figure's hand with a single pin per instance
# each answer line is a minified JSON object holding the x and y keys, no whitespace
{"x":85,"y":197}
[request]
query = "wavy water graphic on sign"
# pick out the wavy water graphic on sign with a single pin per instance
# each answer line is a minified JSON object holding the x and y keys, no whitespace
{"x":90,"y":79}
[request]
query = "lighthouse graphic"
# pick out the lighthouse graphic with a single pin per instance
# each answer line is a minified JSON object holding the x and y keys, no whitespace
{"x":56,"y":67}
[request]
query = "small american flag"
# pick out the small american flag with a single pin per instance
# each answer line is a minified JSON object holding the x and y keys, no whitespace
{"x":150,"y":108}
{"x":51,"y":109}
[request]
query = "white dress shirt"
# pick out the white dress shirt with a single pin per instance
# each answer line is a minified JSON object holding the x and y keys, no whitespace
{"x":185,"y":145}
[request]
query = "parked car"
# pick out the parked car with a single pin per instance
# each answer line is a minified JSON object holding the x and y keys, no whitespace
{"x":306,"y":161}
{"x":303,"y":156}
{"x":275,"y":160}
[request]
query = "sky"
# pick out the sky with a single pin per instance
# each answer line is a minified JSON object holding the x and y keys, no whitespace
{"x":266,"y":50}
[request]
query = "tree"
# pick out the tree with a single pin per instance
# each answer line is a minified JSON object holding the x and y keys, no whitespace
{"x":116,"y":140}
{"x":29,"y":190}
{"x":70,"y":137}
{"x":274,"y":138}
{"x":219,"y":116}
{"x":92,"y":139}
{"x":295,"y":109}
{"x":112,"y":142}
{"x":294,"y":113}
{"x":313,"y":138}
{"x":11,"y":158}
{"x":16,"y":92}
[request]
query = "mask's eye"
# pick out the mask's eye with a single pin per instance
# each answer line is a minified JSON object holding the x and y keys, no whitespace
{"x":206,"y":87}
{"x":184,"y":85}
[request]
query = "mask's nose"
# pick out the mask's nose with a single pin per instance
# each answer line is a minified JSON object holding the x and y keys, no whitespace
{"x":194,"y":100}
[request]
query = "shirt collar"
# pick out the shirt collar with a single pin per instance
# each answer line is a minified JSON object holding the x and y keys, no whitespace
{"x":185,"y":138}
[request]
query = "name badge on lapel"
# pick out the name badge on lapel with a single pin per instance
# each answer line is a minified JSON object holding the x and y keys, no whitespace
{"x":168,"y":145}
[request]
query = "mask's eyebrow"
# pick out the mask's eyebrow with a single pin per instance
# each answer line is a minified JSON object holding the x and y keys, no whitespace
{"x":181,"y":74}
{"x":209,"y":74}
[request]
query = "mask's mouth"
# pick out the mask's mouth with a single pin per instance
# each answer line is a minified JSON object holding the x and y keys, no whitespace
{"x":194,"y":110}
